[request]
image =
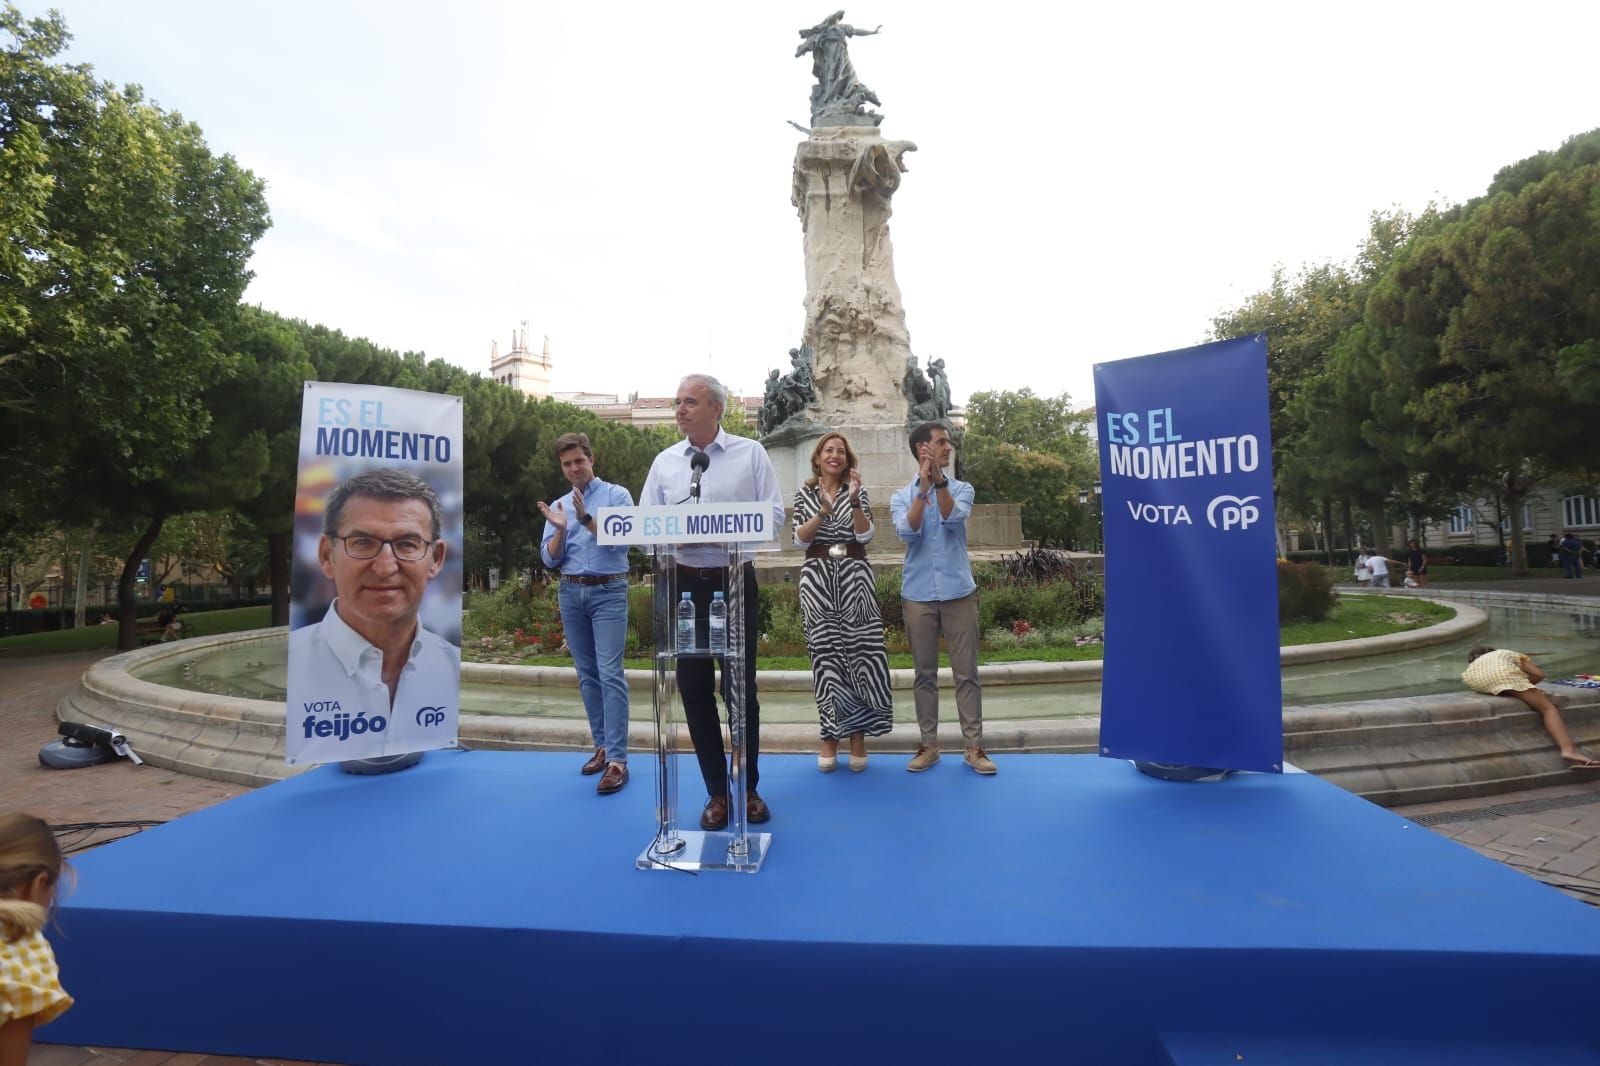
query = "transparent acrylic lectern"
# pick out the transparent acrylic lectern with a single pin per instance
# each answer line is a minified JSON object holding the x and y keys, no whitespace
{"x":738,"y":532}
{"x":734,"y":848}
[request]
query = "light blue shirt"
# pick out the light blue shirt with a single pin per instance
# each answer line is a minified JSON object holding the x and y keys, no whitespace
{"x":580,"y":555}
{"x":936,"y":566}
{"x":740,"y":472}
{"x":334,"y":673}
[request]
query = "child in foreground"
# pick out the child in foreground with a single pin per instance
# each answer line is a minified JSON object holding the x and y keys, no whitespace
{"x":30,"y":991}
{"x":1503,"y":672}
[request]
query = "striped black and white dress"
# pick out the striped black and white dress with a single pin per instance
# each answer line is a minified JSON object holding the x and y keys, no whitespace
{"x":844,"y":627}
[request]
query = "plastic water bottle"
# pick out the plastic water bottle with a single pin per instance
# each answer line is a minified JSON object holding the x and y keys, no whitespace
{"x":719,"y":624}
{"x":685,"y":628}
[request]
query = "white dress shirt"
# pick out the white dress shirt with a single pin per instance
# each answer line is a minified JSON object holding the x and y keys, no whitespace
{"x":336,"y":677}
{"x":740,"y":472}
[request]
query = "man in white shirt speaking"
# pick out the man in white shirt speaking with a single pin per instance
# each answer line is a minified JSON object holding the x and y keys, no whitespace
{"x":369,"y":670}
{"x":717,"y":467}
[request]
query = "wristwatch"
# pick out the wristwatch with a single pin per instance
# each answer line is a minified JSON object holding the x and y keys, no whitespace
{"x":585,"y":519}
{"x":942,"y":484}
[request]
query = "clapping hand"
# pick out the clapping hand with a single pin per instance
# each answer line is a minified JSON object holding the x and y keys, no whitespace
{"x":556,"y":516}
{"x":855,"y":486}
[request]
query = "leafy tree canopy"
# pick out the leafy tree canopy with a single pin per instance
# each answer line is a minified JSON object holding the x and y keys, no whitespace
{"x":125,"y":249}
{"x":1577,"y":151}
{"x":1033,"y":450}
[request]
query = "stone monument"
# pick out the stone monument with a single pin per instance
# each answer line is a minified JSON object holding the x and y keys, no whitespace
{"x":854,"y":370}
{"x":855,"y":354}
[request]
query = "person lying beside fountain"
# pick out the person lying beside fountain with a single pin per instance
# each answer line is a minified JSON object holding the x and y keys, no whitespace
{"x":1503,"y":672}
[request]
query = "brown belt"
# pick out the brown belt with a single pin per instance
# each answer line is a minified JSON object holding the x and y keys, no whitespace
{"x":851,"y":548}
{"x":591,"y":579}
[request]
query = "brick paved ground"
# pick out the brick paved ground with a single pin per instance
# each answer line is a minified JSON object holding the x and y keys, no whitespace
{"x":115,"y":792}
{"x":1552,"y":834}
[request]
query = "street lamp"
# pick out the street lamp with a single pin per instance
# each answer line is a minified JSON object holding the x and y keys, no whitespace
{"x":1098,"y":518}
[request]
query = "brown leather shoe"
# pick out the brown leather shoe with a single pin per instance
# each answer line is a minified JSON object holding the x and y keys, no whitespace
{"x":596,"y":764}
{"x":755,"y":809}
{"x":613,"y":779}
{"x":715,"y":816}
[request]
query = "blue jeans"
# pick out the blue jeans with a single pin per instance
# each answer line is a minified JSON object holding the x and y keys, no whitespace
{"x":595,"y":618}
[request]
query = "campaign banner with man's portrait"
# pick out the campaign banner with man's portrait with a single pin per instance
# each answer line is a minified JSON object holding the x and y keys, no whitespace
{"x":1191,"y":636}
{"x":375,"y":606}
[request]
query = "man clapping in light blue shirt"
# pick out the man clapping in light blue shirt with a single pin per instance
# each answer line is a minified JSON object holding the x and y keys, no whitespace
{"x":939,"y":594}
{"x":594,"y":604}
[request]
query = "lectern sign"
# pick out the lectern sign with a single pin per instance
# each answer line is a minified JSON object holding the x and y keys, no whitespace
{"x":703,"y":523}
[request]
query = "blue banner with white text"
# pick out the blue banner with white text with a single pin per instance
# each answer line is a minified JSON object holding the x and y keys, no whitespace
{"x":1191,"y":628}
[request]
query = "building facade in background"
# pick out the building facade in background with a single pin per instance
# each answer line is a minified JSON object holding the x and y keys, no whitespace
{"x":530,"y":374}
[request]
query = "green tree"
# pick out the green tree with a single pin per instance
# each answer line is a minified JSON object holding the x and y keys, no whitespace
{"x":1580,"y":150}
{"x":1041,"y":482}
{"x":1033,"y":450}
{"x":127,"y":244}
{"x":735,"y":422}
{"x":1479,"y":325}
{"x":1339,"y":456}
{"x":1322,"y":407}
{"x":1034,"y":423}
{"x":264,"y":397}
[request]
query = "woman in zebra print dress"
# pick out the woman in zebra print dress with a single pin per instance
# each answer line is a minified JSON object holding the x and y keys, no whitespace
{"x":844,"y":627}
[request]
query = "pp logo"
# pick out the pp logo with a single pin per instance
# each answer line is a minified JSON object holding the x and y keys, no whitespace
{"x":430,"y":716}
{"x":1235,"y":513}
{"x":617,"y":525}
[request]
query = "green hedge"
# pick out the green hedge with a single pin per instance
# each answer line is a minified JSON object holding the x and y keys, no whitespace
{"x":1471,"y":555}
{"x":51,"y":619}
{"x":515,"y":618}
{"x":1305,"y":592}
{"x":523,"y":617}
{"x":1341,"y":557}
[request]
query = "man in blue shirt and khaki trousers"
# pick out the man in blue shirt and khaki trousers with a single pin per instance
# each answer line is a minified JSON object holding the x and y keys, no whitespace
{"x":939,"y":595}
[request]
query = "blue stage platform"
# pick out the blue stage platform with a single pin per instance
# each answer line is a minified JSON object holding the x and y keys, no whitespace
{"x":484,"y":907}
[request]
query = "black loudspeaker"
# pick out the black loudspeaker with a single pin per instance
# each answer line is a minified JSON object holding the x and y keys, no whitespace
{"x":84,"y":745}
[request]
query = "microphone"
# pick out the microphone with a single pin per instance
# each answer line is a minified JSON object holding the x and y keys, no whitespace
{"x":698,"y":463}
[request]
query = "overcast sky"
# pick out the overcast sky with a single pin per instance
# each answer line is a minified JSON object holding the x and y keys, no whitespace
{"x":1092,"y":182}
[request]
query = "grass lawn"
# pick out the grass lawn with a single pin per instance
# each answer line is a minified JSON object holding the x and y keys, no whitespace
{"x":104,"y":637}
{"x":1367,"y":616}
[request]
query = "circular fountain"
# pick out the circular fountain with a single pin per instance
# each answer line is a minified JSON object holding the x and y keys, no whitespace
{"x":1386,"y":716}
